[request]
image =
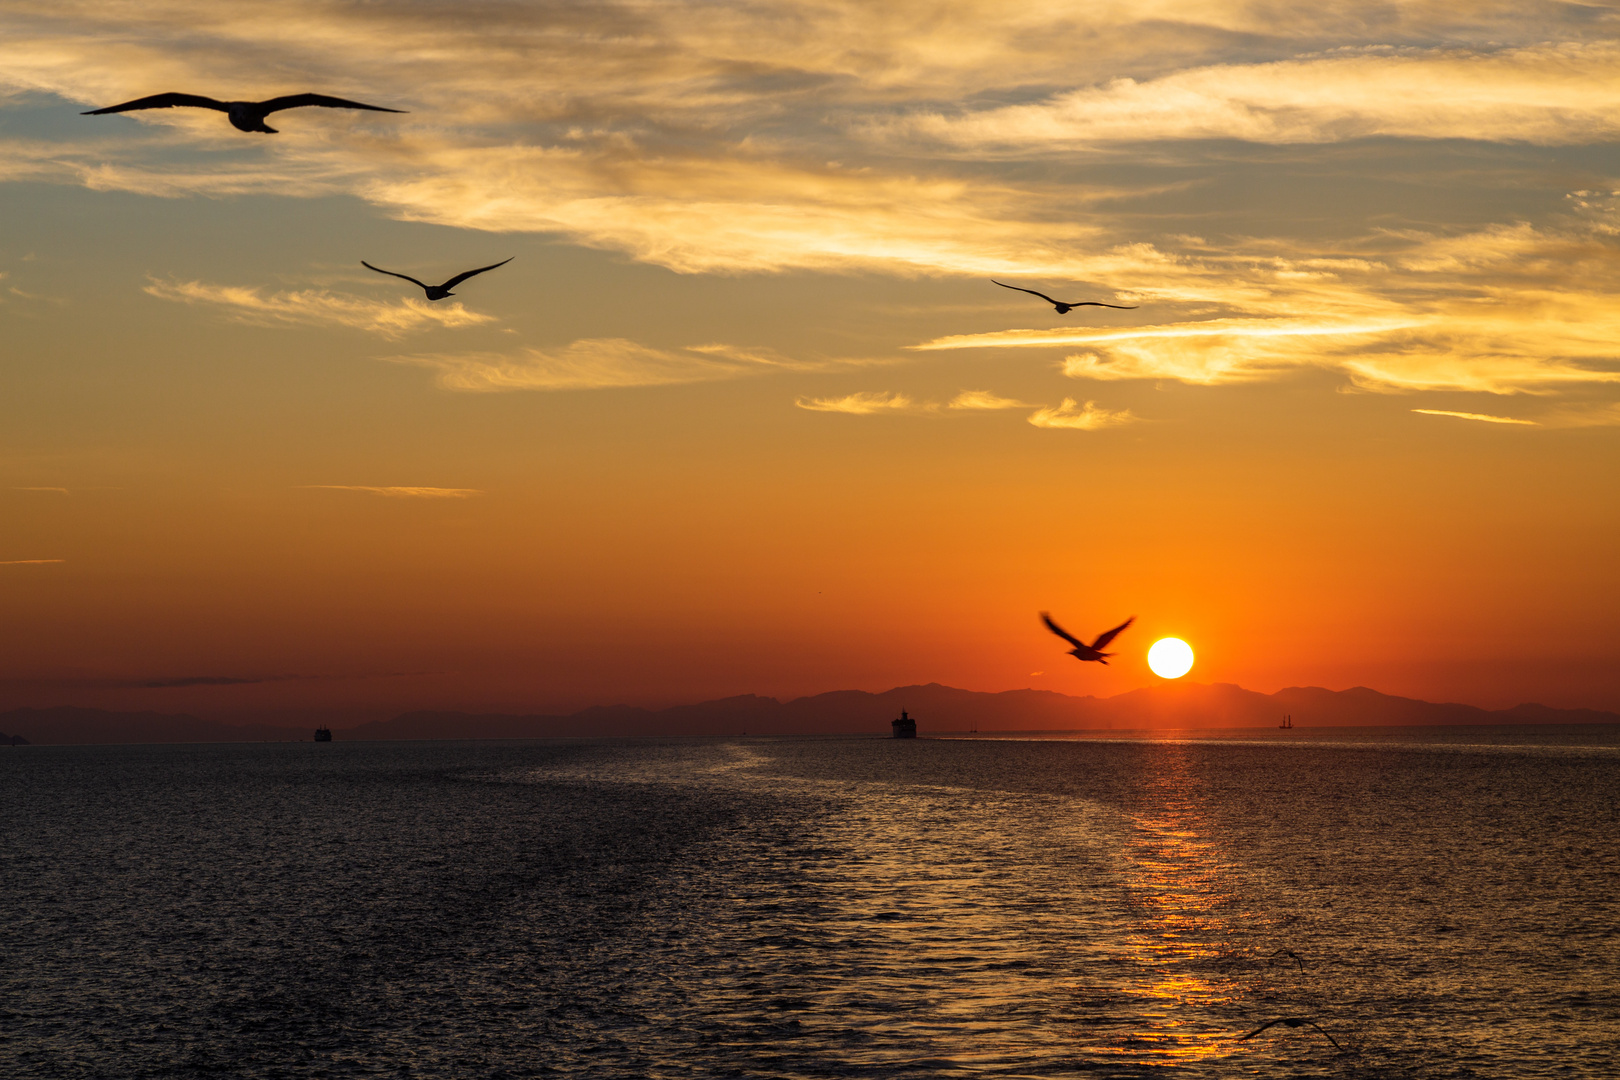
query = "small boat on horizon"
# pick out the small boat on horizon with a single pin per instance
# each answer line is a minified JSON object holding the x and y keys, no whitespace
{"x":1287,"y":724}
{"x":905,"y":727}
{"x":323,"y":734}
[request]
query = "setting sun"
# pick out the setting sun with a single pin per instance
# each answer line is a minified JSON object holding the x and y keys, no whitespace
{"x":1170,"y":658}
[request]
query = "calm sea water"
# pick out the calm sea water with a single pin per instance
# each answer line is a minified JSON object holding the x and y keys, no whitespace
{"x":816,"y":907}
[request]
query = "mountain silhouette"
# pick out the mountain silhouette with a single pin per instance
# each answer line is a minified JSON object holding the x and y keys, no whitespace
{"x":940,"y":709}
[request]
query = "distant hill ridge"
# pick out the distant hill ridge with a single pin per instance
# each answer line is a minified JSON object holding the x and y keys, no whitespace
{"x":938,"y":709}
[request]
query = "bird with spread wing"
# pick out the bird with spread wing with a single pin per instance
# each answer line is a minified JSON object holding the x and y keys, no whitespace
{"x":437,"y":292}
{"x":1081,"y":650}
{"x":1063,"y":307}
{"x":243,"y":115}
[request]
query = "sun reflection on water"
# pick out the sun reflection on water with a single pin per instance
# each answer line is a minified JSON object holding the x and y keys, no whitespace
{"x":1175,"y":876}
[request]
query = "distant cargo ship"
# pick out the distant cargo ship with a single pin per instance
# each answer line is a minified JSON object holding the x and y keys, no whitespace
{"x":905,"y":727}
{"x":323,"y":734}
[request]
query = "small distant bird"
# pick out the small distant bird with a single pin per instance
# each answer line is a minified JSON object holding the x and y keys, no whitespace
{"x":1081,"y":650}
{"x":1063,"y":308}
{"x":244,"y":115}
{"x":437,"y":292}
{"x":1294,"y":1022}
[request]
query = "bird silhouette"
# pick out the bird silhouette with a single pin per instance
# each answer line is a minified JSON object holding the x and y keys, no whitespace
{"x":1081,"y":650}
{"x":1063,"y":308}
{"x":437,"y":292}
{"x":1294,"y":1022}
{"x":244,"y":115}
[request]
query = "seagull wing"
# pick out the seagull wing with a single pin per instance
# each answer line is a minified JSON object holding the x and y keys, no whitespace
{"x":162,"y":101}
{"x":298,"y":101}
{"x":1031,"y":292}
{"x":390,"y":273}
{"x":1325,"y":1035}
{"x":1098,"y":303}
{"x":459,"y":278}
{"x":1060,"y":632}
{"x":1109,"y":635}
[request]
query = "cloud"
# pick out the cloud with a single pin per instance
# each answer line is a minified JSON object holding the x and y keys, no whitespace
{"x":946,"y":137}
{"x":53,"y":490}
{"x":1088,"y":418}
{"x":604,"y":363}
{"x":865,"y":403}
{"x":1490,"y":354}
{"x":313,"y":307}
{"x":1502,"y":310}
{"x":984,"y":399}
{"x":29,"y":562}
{"x":1550,"y":95}
{"x":740,"y":140}
{"x":1475,"y":416}
{"x":399,"y":492}
{"x":1066,"y":415}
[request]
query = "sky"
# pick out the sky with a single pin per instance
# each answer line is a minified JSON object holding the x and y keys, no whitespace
{"x":746,"y":413}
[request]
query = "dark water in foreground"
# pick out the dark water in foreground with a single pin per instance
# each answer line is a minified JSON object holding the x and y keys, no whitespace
{"x":815,"y":907}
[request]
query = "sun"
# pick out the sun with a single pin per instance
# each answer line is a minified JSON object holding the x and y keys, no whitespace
{"x":1170,"y":658}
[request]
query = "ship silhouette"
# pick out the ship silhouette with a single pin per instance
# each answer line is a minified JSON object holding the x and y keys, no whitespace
{"x":905,"y":727}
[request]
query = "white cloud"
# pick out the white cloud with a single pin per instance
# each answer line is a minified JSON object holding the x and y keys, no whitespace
{"x":315,"y":307}
{"x":1087,"y":418}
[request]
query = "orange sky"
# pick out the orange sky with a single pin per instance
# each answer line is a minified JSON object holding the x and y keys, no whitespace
{"x":745,"y":414}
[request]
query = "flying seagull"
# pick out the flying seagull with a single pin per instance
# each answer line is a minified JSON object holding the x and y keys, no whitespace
{"x":1081,"y":650}
{"x":438,"y":292}
{"x":1062,"y":308}
{"x":1294,"y":1022}
{"x":244,"y":115}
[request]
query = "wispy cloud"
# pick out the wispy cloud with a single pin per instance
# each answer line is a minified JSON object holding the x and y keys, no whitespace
{"x":53,"y":490}
{"x":914,"y":137}
{"x":1065,"y":415}
{"x":1503,"y":310}
{"x":1475,"y":416}
{"x":399,"y":492}
{"x":1080,"y":418}
{"x":29,"y":562}
{"x":314,"y":307}
{"x":1555,"y":95}
{"x":984,"y":399}
{"x":741,"y":168}
{"x":604,"y":363}
{"x":865,"y":403}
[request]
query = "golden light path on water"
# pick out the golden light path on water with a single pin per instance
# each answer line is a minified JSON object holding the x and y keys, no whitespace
{"x":1175,"y":870}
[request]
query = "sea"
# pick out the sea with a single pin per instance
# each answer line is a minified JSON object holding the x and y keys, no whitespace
{"x":1439,"y":902}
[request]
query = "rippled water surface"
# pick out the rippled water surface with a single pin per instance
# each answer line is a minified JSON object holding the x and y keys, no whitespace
{"x":1439,"y":903}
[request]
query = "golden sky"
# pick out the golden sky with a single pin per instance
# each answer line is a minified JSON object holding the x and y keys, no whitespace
{"x":745,"y":413}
